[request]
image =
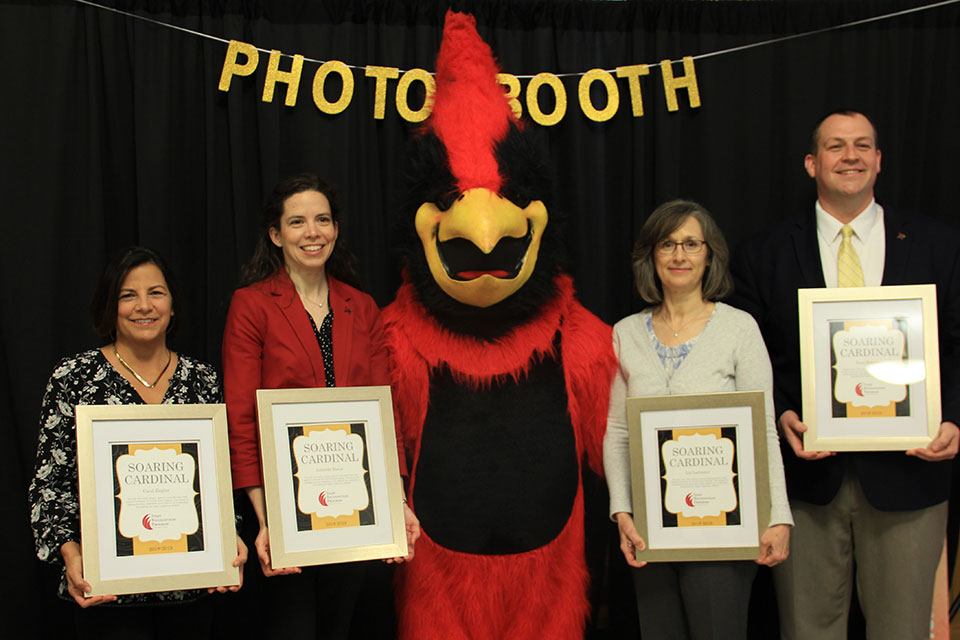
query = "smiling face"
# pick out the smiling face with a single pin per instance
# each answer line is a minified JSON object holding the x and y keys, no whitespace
{"x":307,"y":232}
{"x":845,"y":165}
{"x":482,"y":249}
{"x":679,"y":271}
{"x":144,"y":306}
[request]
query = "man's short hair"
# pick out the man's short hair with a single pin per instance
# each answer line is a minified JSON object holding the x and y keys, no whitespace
{"x":815,"y":138}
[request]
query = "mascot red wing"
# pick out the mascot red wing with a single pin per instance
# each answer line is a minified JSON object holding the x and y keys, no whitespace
{"x":501,"y":377}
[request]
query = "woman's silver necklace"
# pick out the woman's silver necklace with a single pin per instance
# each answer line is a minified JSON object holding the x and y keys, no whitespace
{"x":304,"y":297}
{"x":676,"y":332}
{"x":137,"y":375}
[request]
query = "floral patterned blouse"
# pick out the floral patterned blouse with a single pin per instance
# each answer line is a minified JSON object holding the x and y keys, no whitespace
{"x":88,"y":378}
{"x":670,"y":356}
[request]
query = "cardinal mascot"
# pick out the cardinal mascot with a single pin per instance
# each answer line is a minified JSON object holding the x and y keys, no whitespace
{"x":501,"y":378}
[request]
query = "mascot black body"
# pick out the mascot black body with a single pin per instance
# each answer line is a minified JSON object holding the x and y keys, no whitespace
{"x":501,"y":377}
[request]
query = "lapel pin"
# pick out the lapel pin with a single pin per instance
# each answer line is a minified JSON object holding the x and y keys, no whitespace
{"x":901,"y":236}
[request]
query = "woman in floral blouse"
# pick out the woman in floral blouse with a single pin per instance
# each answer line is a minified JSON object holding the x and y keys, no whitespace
{"x":135,"y":306}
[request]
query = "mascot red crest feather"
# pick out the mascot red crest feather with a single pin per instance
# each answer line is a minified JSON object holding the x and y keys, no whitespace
{"x":470,"y":110}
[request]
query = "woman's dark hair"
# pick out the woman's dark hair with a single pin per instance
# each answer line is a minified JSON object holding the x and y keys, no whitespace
{"x":103,"y":307}
{"x":666,"y":219}
{"x":267,"y":257}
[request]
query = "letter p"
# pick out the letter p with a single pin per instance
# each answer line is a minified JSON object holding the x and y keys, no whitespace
{"x":232,"y":68}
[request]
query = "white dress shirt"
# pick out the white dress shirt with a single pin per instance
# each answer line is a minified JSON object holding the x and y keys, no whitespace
{"x":868,"y":241}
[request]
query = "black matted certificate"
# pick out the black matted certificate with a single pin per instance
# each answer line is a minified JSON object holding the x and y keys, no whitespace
{"x":699,"y":474}
{"x":331,"y":475}
{"x":331,"y":479}
{"x":156,"y":500}
{"x":869,"y":367}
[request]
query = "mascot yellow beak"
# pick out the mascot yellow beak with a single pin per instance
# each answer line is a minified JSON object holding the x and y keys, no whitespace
{"x":483,"y":248}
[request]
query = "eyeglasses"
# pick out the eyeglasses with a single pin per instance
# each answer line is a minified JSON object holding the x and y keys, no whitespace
{"x":666,"y":247}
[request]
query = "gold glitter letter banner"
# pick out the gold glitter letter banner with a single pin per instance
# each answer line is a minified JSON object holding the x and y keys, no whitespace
{"x":513,"y":88}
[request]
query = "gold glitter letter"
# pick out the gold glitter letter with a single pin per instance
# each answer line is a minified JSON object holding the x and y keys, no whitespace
{"x":533,"y":105}
{"x":671,"y":84}
{"x":404,"y":86}
{"x":230,"y":66}
{"x":291,"y":78}
{"x":613,"y":95}
{"x":380,"y":100}
{"x":632,"y":73}
{"x":512,"y":84}
{"x":346,"y":94}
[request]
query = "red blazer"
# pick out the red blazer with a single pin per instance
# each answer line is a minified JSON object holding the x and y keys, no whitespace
{"x":268,"y":343}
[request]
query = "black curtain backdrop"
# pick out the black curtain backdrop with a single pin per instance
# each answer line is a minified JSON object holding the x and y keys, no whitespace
{"x":114,"y":133}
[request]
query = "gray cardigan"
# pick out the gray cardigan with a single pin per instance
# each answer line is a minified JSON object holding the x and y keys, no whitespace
{"x":729,"y":355}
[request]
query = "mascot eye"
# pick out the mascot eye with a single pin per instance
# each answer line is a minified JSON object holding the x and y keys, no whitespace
{"x":446,"y":200}
{"x":521,"y":200}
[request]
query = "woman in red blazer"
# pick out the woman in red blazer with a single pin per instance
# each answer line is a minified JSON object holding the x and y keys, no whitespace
{"x":297,"y":323}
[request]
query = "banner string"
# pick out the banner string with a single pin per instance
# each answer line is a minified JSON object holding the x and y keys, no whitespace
{"x":701,"y":56}
{"x":855,"y":23}
{"x":164,"y":24}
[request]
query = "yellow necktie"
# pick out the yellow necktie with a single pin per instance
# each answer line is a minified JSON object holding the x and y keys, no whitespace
{"x":849,"y":271}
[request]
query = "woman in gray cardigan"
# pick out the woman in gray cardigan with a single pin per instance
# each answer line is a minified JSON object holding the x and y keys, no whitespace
{"x":687,"y":342}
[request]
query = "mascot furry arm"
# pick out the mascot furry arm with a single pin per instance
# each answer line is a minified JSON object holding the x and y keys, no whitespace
{"x":501,"y":378}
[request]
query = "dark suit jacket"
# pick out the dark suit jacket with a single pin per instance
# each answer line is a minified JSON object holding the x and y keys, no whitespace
{"x":767,"y":272}
{"x":268,"y":343}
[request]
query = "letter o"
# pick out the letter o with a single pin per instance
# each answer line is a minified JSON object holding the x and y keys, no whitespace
{"x":613,"y":95}
{"x":346,"y":95}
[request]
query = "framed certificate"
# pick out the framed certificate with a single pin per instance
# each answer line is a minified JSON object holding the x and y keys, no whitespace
{"x":870,"y":368}
{"x":331,"y":475}
{"x":698,"y":467}
{"x":156,"y":501}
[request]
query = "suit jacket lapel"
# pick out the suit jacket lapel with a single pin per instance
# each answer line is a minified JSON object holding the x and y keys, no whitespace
{"x":285,"y":296}
{"x":807,"y":250}
{"x":897,"y":248}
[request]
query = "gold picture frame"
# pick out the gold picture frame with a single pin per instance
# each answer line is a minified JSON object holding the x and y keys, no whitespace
{"x":870,"y":367}
{"x":331,"y":475}
{"x":700,"y":479}
{"x":156,"y":499}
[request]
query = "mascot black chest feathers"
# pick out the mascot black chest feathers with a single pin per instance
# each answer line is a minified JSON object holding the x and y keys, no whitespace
{"x":501,"y":377}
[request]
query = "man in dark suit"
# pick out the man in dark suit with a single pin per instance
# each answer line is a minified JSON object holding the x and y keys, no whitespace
{"x":883,"y":512}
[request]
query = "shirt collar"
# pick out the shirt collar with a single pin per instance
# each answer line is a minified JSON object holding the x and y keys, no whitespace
{"x":829,"y":227}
